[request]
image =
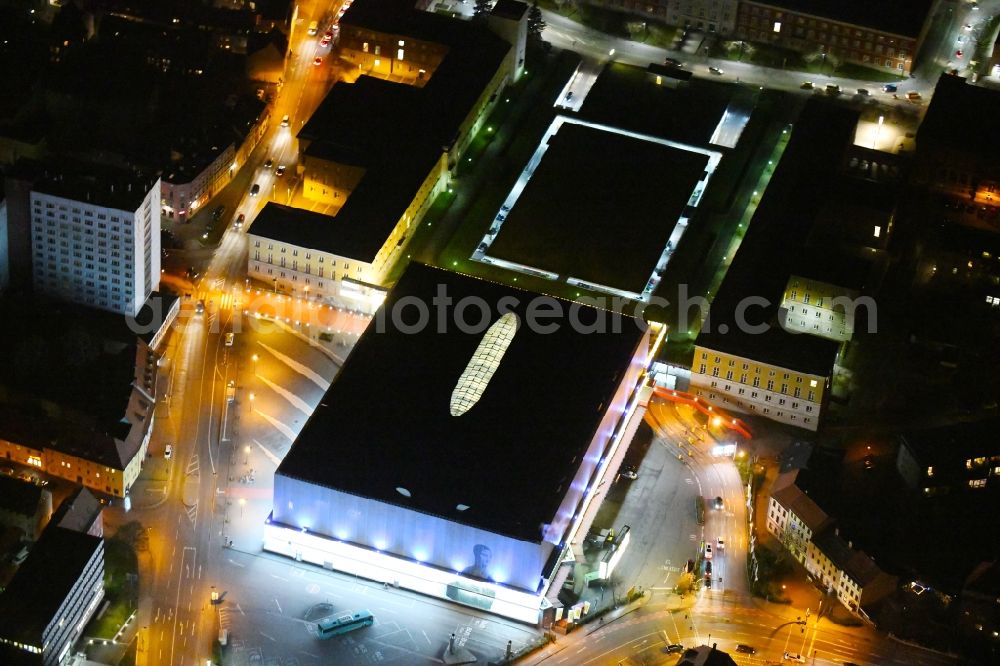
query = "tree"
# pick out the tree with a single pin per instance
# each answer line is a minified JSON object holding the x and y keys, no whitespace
{"x":482,"y":8}
{"x":685,"y":583}
{"x":536,"y":24}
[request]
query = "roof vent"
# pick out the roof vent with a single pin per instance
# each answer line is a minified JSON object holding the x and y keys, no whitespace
{"x":463,"y":507}
{"x":403,"y":491}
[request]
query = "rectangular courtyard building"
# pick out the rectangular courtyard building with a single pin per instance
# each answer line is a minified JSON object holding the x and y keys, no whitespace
{"x":457,"y":452}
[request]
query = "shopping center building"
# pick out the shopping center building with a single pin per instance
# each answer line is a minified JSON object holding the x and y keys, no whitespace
{"x":458,"y":451}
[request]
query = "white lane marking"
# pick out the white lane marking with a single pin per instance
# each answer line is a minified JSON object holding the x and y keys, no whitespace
{"x":278,"y":425}
{"x":267,"y":453}
{"x":295,"y":400}
{"x":306,"y":372}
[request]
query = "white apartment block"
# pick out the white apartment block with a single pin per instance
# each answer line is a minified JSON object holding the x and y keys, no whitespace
{"x":95,"y":244}
{"x":819,"y":308}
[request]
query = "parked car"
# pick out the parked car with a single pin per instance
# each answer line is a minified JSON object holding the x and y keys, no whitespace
{"x":746,"y":649}
{"x":630,"y":473}
{"x":797,"y":658}
{"x":708,"y":551}
{"x":719,"y":503}
{"x":832,"y":89}
{"x":255,"y":190}
{"x":318,"y":60}
{"x":673,"y":647}
{"x":284,"y":120}
{"x":716,"y":71}
{"x":217,"y":213}
{"x":280,"y":171}
{"x":239,"y":220}
{"x":890,"y":88}
{"x":807,"y":85}
{"x":199,"y":308}
{"x":168,"y":451}
{"x":268,"y":163}
{"x":720,"y":544}
{"x":231,"y":391}
{"x":672,"y":62}
{"x":230,"y":338}
{"x":913,"y":96}
{"x":863,"y":92}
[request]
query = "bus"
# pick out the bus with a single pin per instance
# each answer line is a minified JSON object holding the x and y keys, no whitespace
{"x":334,"y":626}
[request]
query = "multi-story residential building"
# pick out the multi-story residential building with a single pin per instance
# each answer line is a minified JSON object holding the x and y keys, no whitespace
{"x":51,"y":598}
{"x":99,"y":438}
{"x":377,"y":152}
{"x":885,"y":35}
{"x":810,"y":535}
{"x":717,"y":16}
{"x":964,"y":457}
{"x":794,"y":517}
{"x":24,"y":505}
{"x":201,"y":168}
{"x":784,"y":391}
{"x":96,"y":242}
{"x":819,"y":308}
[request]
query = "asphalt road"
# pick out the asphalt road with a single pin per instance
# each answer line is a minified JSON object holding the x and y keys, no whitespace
{"x":265,"y":598}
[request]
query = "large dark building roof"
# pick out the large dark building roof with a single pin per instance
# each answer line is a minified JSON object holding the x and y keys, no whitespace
{"x":386,"y":421}
{"x":900,"y":17}
{"x":589,"y":211}
{"x":94,"y":356}
{"x":395,"y":131}
{"x":625,"y":96}
{"x":19,"y":496}
{"x":121,"y":191}
{"x":316,"y":231}
{"x":773,"y":247}
{"x":42,"y":584}
{"x":954,"y":120}
{"x":952,"y":444}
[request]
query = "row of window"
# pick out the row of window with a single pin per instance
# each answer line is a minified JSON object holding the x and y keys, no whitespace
{"x":796,"y":393}
{"x":766,"y":411}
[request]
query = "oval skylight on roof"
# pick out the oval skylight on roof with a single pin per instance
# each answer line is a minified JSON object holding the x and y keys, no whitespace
{"x":484,"y":362}
{"x":403,"y":491}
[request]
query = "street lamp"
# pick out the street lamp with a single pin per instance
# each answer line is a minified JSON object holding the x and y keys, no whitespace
{"x":251,"y":402}
{"x":243,"y":503}
{"x":878,"y":128}
{"x":246,"y":458}
{"x":254,"y":357}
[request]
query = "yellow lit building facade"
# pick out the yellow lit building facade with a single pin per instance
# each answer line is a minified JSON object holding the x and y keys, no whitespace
{"x":819,"y":308}
{"x":753,"y":386}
